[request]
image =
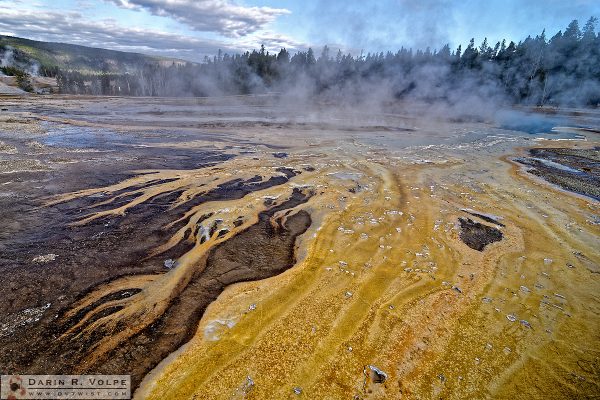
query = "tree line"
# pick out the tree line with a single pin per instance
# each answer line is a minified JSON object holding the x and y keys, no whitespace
{"x":561,"y":70}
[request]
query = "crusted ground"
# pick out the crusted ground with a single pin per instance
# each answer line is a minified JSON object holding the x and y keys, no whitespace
{"x":264,"y":251}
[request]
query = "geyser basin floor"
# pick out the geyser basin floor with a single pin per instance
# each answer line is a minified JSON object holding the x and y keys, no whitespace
{"x":113,"y":244}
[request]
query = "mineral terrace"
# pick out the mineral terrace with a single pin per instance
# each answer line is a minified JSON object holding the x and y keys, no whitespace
{"x":244,"y":247}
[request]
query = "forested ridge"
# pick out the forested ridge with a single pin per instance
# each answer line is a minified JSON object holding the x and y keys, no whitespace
{"x":563,"y":69}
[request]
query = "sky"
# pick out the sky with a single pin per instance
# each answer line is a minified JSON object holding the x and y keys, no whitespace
{"x":193,"y":29}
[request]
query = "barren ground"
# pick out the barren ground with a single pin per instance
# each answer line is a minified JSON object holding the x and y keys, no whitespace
{"x":244,"y":247}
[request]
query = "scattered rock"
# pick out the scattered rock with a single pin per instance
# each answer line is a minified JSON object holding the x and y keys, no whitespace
{"x":346,"y":231}
{"x":45,"y":258}
{"x":525,"y":323}
{"x":511,"y":318}
{"x":298,"y":390}
{"x":169,"y":263}
{"x":248,"y":385}
{"x":374,"y":374}
{"x":486,"y":217}
{"x":215,"y":328}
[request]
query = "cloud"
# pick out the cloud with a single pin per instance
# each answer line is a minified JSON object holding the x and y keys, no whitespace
{"x":220,"y":16}
{"x":73,"y":27}
{"x":273,"y":42}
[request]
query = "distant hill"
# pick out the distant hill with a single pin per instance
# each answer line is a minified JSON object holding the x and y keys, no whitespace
{"x":78,"y":58}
